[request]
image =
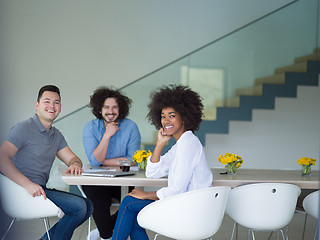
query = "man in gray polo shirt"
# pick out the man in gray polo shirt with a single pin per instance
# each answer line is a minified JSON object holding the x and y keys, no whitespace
{"x":27,"y":155}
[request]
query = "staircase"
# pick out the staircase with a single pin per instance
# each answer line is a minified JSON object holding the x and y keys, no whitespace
{"x":304,"y":71}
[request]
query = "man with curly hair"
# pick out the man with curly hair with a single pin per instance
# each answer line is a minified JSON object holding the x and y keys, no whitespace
{"x":109,"y":138}
{"x":175,"y":111}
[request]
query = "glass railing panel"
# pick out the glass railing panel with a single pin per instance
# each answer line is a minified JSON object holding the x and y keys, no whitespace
{"x":140,"y":92}
{"x":219,"y":69}
{"x":258,"y":49}
{"x":318,"y":27}
{"x":72,"y":128}
{"x":72,"y":125}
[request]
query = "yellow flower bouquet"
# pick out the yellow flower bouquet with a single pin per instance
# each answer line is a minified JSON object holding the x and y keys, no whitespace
{"x":306,"y":165}
{"x":141,"y":157}
{"x":232,"y":162}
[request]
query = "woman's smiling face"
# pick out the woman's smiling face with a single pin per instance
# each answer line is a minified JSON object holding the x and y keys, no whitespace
{"x":172,"y":123}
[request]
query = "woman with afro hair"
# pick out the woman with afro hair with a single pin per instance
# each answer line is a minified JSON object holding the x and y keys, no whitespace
{"x":175,"y":111}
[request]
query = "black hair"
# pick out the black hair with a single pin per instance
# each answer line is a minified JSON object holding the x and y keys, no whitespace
{"x":101,"y":94}
{"x":50,"y":88}
{"x":185,"y":101}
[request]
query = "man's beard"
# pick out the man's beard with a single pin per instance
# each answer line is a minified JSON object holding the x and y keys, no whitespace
{"x":106,"y":119}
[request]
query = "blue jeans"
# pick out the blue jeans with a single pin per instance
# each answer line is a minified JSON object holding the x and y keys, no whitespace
{"x":76,"y":209}
{"x":127,"y":224}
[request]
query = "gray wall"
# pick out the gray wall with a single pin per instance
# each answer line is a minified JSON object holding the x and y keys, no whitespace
{"x":80,"y":45}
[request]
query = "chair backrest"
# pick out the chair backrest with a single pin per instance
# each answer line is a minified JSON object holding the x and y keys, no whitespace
{"x":311,"y":204}
{"x":263,"y":206}
{"x":192,"y":215}
{"x":18,"y":203}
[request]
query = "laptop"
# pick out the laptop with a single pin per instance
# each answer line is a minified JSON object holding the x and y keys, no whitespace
{"x":105,"y":173}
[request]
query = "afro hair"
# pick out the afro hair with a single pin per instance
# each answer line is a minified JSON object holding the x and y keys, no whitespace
{"x":181,"y":98}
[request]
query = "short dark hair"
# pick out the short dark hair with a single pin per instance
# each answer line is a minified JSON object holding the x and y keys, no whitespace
{"x":101,"y":94}
{"x":185,"y":101}
{"x":50,"y":88}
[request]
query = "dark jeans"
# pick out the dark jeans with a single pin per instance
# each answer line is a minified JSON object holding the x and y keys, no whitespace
{"x":76,"y":209}
{"x":127,"y":224}
{"x":101,"y":198}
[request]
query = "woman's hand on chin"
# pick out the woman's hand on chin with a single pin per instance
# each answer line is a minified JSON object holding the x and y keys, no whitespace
{"x":163,"y":137}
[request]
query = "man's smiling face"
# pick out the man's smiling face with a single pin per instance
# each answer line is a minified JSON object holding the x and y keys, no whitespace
{"x":110,"y":110}
{"x":49,"y":106}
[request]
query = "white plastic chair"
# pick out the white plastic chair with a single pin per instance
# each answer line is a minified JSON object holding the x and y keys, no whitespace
{"x":263,"y":206}
{"x":300,"y":209}
{"x":192,"y":215}
{"x":20,"y":205}
{"x":311,"y":206}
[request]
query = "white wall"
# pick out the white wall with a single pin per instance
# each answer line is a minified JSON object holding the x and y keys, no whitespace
{"x":80,"y":45}
{"x":274,"y":139}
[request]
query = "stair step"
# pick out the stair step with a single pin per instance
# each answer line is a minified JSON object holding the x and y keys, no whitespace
{"x":209,"y":114}
{"x":275,"y":79}
{"x":298,"y":67}
{"x":250,"y":91}
{"x":315,"y":56}
{"x":311,"y":57}
{"x":229,"y":102}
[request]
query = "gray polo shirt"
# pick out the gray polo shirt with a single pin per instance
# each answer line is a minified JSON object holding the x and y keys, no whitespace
{"x":37,"y":148}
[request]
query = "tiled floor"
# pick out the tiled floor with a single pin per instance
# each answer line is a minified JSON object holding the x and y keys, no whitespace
{"x":32,"y":230}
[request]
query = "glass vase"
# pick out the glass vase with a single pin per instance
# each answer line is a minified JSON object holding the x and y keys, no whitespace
{"x":143,"y":165}
{"x":306,"y":170}
{"x":232,"y":168}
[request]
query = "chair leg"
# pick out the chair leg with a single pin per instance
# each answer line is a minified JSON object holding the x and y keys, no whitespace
{"x":252,"y":232}
{"x":304,"y":226}
{"x":4,"y":236}
{"x":270,"y":235}
{"x":316,"y":233}
{"x":46,"y":224}
{"x":155,"y":236}
{"x":237,"y":231}
{"x":233,"y":230}
{"x":89,"y":228}
{"x":282,"y":234}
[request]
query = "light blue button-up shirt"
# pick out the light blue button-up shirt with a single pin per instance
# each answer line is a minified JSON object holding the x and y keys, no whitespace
{"x":123,"y":143}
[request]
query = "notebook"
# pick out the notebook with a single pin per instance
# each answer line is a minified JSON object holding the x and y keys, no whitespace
{"x":105,"y":173}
